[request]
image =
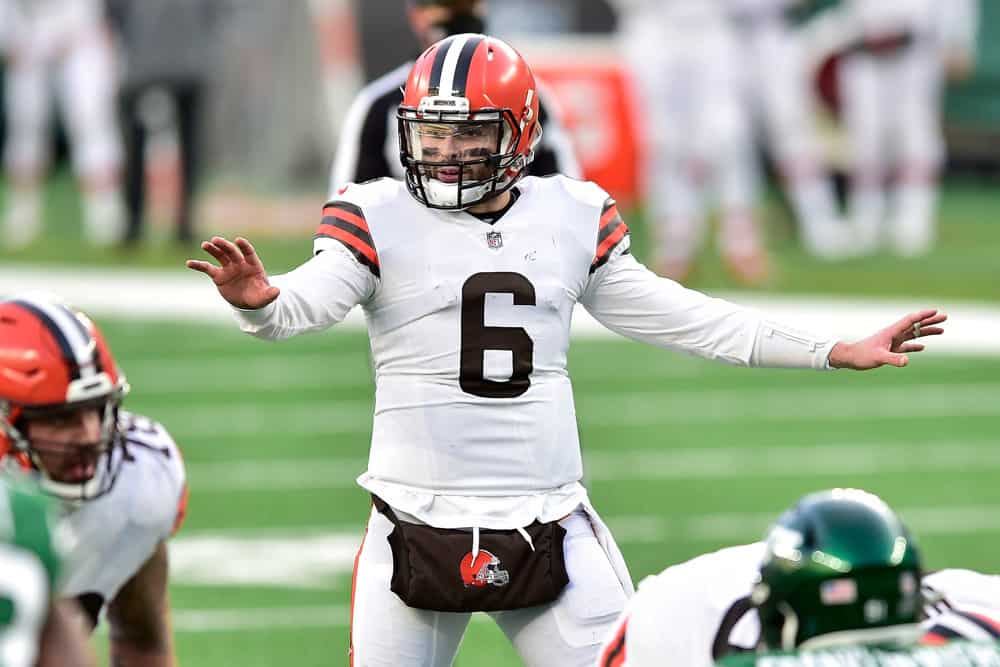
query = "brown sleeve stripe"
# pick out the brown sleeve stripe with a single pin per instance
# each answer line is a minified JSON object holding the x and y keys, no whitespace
{"x":349,"y":213}
{"x":990,"y":625}
{"x":614,"y":653}
{"x":610,"y":233}
{"x":346,"y":223}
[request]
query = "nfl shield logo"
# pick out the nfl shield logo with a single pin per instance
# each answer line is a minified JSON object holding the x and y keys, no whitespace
{"x":494,"y":240}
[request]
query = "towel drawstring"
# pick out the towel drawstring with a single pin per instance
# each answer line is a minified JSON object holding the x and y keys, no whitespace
{"x":475,"y":540}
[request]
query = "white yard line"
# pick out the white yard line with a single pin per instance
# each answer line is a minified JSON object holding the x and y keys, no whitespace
{"x":648,"y":464}
{"x":183,"y":295}
{"x":318,"y":559}
{"x":319,"y":416}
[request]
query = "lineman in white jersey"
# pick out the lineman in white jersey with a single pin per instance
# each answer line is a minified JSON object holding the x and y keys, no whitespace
{"x":701,"y":610}
{"x":468,"y":276}
{"x":119,"y":477}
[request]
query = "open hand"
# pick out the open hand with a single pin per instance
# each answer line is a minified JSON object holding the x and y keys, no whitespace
{"x":241,"y":279}
{"x":890,"y":345}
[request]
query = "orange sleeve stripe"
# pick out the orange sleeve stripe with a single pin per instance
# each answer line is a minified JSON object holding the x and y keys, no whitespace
{"x":607,"y":217}
{"x":346,"y":216}
{"x":611,"y":241}
{"x":182,"y":506}
{"x":614,"y":653}
{"x":350,"y":240}
{"x":354,"y":587}
{"x":992,"y":622}
{"x":932,"y":638}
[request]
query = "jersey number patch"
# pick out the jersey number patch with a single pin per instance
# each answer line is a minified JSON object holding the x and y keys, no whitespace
{"x":477,"y":337}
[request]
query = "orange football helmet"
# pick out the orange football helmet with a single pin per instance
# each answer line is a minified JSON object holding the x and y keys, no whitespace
{"x":54,"y":360}
{"x":468,"y":123}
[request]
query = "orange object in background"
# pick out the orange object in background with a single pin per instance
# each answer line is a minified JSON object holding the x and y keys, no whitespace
{"x":592,"y":88}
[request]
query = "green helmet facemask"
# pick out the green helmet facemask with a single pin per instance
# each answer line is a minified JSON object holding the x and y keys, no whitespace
{"x":839,"y":567}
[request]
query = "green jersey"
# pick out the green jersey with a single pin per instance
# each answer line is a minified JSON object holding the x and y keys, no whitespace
{"x":957,"y":653}
{"x":29,"y":566}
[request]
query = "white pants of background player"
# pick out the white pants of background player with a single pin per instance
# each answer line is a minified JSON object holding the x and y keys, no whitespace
{"x":892,"y":116}
{"x":777,"y":89}
{"x":567,"y":632}
{"x":62,"y":50}
{"x":696,"y":131}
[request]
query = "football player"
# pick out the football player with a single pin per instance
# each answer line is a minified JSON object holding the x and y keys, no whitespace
{"x":61,"y":46}
{"x":369,"y":143}
{"x":684,"y":60}
{"x":468,"y":273}
{"x":118,"y":476}
{"x":775,"y":90}
{"x":895,"y":60}
{"x":36,"y":629}
{"x":727,"y":602}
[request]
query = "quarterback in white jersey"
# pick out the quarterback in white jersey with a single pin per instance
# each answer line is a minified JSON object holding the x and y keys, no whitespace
{"x":702,"y":610}
{"x":119,"y":477}
{"x":468,"y":276}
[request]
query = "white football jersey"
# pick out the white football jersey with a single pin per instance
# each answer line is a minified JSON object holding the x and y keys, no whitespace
{"x":699,"y":610}
{"x":469,"y":324}
{"x":112,"y":536}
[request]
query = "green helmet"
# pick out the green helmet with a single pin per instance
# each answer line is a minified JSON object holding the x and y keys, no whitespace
{"x":838,"y":565}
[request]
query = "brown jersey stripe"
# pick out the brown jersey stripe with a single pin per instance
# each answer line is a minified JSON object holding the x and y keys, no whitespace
{"x":609,"y":211}
{"x":346,"y":212}
{"x":609,"y":238}
{"x":990,"y":625}
{"x":940,"y":631}
{"x":364,"y":252}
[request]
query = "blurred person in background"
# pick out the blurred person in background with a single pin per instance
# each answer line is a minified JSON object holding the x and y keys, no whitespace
{"x":167,"y":54}
{"x":686,"y":70}
{"x":37,"y":629}
{"x":468,"y":273}
{"x":369,"y":143}
{"x":118,"y":477}
{"x":736,"y":600}
{"x":60,"y":49}
{"x":777,"y":93}
{"x":896,"y":56}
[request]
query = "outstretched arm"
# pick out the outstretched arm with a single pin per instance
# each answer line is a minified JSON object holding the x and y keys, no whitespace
{"x":314,"y":296}
{"x":631,"y":300}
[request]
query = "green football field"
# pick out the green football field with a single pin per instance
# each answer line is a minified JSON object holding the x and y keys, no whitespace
{"x":682,"y":456}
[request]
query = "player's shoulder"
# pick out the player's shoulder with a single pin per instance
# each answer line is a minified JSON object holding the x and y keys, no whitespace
{"x":586,"y":193}
{"x":152,"y":477}
{"x":369,"y":197}
{"x":740,"y":559}
{"x":963,"y":588}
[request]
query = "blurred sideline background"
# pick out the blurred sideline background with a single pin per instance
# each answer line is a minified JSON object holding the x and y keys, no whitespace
{"x":682,"y":456}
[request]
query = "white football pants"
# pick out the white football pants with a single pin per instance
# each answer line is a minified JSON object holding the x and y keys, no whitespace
{"x":697,"y":131}
{"x":777,"y":89}
{"x":892,"y":115}
{"x":567,"y":632}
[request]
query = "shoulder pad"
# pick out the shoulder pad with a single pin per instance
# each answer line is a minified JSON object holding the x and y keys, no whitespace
{"x":370,"y":194}
{"x":585,"y":192}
